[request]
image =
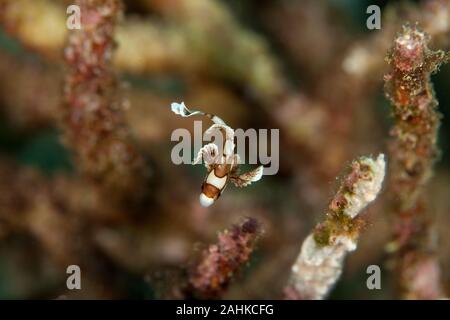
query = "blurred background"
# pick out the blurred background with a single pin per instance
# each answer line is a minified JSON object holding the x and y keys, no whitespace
{"x":309,"y":68}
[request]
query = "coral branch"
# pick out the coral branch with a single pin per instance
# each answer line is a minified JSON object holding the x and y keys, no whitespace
{"x":413,"y":151}
{"x":94,"y":125}
{"x":217,"y":266}
{"x":320,"y":262}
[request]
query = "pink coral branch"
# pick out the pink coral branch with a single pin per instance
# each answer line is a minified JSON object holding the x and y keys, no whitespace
{"x":220,"y":262}
{"x":413,"y":151}
{"x":94,"y":124}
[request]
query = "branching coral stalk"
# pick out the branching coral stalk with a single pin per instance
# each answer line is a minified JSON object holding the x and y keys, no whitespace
{"x":321,"y":258}
{"x":413,"y":151}
{"x":94,"y":123}
{"x":219,"y":263}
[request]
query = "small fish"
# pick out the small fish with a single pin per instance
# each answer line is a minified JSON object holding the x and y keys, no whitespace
{"x":222,"y":165}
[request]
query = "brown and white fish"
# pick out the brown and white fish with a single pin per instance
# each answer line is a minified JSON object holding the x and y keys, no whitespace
{"x":222,"y":165}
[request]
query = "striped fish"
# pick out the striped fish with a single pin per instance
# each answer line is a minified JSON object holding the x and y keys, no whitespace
{"x":222,"y":165}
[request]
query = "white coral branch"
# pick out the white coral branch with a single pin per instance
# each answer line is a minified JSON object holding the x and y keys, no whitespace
{"x":365,"y":190}
{"x":319,"y":266}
